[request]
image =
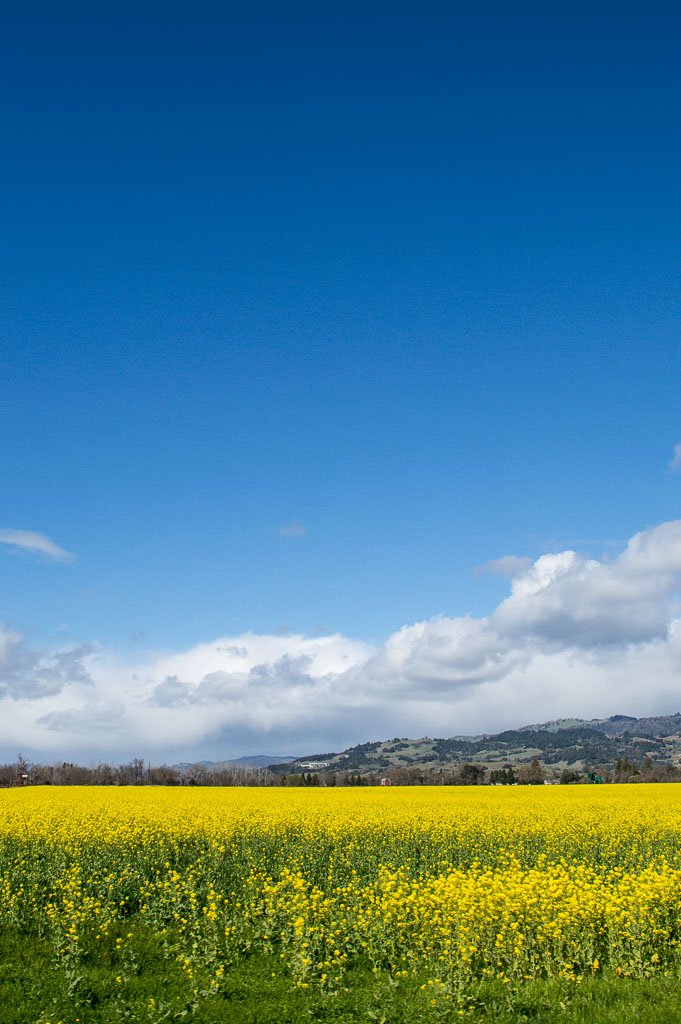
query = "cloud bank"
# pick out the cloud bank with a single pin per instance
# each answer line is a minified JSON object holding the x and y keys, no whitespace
{"x":575,"y":636}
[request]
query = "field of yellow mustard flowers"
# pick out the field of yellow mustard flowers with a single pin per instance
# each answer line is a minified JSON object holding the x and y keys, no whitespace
{"x":441,"y":889}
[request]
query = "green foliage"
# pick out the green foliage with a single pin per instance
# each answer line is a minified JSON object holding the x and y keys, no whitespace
{"x":471,"y":774}
{"x":37,"y":990}
{"x":294,"y":779}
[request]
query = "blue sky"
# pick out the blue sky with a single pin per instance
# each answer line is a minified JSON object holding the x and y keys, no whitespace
{"x":305,"y":314}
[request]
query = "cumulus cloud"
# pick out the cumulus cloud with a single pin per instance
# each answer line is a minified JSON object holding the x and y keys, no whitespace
{"x":27,"y":674}
{"x":675,"y":462}
{"x":574,"y":636}
{"x":35,"y":544}
{"x":508,"y":566}
{"x":292,"y":531}
{"x":566,"y":600}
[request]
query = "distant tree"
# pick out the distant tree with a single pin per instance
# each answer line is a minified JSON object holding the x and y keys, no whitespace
{"x":470,"y":775}
{"x":531,"y":774}
{"x":163,"y":775}
{"x":104,"y":775}
{"x":195,"y":775}
{"x":68,"y":774}
{"x":292,"y":780}
{"x":503,"y":776}
{"x":661,"y":773}
{"x":626,"y":770}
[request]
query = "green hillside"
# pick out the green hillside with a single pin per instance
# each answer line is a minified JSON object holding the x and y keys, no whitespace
{"x":620,"y":744}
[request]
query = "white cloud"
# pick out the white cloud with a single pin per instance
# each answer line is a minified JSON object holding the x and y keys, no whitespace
{"x":292,"y":531}
{"x":675,"y":462}
{"x":575,"y":636}
{"x":30,"y":675}
{"x":508,"y":566}
{"x":35,"y":543}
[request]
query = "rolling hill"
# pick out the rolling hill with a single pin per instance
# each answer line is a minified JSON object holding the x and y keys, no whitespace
{"x":573,"y":744}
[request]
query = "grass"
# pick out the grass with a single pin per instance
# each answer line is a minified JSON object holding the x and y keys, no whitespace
{"x":151,"y":987}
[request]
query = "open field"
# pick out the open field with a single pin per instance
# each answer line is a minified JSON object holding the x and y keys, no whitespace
{"x":397,"y":904}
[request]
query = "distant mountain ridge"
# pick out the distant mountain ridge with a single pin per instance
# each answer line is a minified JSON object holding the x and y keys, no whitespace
{"x":616,"y":725}
{"x":248,"y":761}
{"x":572,"y":744}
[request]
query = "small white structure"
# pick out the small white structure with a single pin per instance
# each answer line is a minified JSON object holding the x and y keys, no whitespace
{"x":386,"y":782}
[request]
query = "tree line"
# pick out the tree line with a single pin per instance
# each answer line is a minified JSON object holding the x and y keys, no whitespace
{"x":136,"y":772}
{"x":133,"y":773}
